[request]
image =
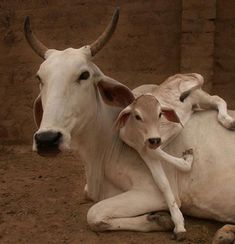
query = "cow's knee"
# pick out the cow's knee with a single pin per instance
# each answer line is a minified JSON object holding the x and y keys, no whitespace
{"x":96,"y":219}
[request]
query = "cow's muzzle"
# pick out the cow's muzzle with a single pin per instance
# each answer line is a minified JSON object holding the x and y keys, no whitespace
{"x":48,"y":142}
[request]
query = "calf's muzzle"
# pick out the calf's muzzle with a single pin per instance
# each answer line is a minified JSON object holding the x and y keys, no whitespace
{"x":154,"y":143}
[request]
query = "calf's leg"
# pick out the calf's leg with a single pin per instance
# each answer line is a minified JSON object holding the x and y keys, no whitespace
{"x":162,"y":182}
{"x":206,"y":101}
{"x":183,"y":164}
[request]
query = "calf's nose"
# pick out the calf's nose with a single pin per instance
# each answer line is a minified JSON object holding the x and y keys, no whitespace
{"x":48,"y":140}
{"x":154,"y":142}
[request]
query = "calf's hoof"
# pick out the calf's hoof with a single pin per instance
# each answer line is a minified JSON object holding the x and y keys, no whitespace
{"x":188,"y":152}
{"x":180,"y":236}
{"x":188,"y":157}
{"x":163,"y":219}
{"x":231,"y":126}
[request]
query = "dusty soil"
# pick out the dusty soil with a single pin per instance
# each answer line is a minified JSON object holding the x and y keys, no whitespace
{"x":42,"y":201}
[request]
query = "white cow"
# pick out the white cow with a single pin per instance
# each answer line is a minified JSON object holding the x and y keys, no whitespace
{"x":73,"y":111}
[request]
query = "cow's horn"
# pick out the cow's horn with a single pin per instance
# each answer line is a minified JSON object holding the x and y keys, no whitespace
{"x":98,"y":44}
{"x":36,"y":45}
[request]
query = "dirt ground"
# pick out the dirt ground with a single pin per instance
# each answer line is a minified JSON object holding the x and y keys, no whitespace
{"x":42,"y":201}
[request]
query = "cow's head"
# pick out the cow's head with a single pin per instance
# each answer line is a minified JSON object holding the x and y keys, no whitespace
{"x":140,"y":121}
{"x":69,"y":84}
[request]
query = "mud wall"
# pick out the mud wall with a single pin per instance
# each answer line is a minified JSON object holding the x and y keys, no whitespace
{"x":154,"y":39}
{"x":145,"y":47}
{"x":224,"y":58}
{"x":197,"y":38}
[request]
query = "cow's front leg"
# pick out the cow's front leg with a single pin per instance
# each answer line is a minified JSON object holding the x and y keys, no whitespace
{"x":206,"y":101}
{"x":225,"y":235}
{"x":130,"y":211}
{"x":162,"y":182}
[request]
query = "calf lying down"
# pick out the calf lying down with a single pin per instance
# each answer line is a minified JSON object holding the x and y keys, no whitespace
{"x":146,"y":125}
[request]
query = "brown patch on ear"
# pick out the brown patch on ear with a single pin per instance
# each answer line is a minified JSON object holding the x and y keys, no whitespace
{"x":37,"y":111}
{"x":171,"y":115}
{"x":114,"y":93}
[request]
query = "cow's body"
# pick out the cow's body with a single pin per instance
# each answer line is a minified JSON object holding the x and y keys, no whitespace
{"x":208,"y":191}
{"x":124,"y":170}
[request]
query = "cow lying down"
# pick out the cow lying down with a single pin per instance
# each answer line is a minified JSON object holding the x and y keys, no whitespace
{"x":143,"y":125}
{"x":76,"y":108}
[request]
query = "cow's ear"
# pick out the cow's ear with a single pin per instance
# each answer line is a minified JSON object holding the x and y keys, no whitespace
{"x":114,"y":93}
{"x":171,"y":115}
{"x":37,"y":111}
{"x":122,"y":118}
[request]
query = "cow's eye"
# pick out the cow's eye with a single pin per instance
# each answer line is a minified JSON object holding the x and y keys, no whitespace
{"x":84,"y":75}
{"x":160,"y":115}
{"x":39,"y":79}
{"x":137,"y":117}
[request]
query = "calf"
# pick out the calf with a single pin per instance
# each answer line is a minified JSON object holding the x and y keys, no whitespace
{"x":140,"y":122}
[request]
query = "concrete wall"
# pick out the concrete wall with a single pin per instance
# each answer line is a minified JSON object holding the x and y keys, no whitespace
{"x":154,"y":39}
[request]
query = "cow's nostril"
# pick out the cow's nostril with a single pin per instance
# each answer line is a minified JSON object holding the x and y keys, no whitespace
{"x":48,"y":138}
{"x":154,"y":141}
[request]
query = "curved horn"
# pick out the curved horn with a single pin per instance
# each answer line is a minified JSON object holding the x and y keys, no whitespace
{"x":32,"y":40}
{"x":98,"y":44}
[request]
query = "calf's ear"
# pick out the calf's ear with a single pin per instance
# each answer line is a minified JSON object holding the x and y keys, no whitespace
{"x":114,"y":93}
{"x":171,"y":115}
{"x":37,"y":111}
{"x":122,"y":118}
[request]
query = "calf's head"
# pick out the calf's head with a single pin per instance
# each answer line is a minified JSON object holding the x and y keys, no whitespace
{"x":139,"y":123}
{"x":70,"y":85}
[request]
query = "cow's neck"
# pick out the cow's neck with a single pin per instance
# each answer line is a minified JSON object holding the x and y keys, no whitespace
{"x":97,"y":145}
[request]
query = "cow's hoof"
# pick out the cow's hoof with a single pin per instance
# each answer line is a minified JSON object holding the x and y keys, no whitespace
{"x":180,"y":236}
{"x":224,"y":237}
{"x":163,"y":219}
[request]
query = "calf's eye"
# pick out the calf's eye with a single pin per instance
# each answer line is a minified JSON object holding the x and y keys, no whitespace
{"x":137,"y":117}
{"x":84,"y":75}
{"x":160,"y":115}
